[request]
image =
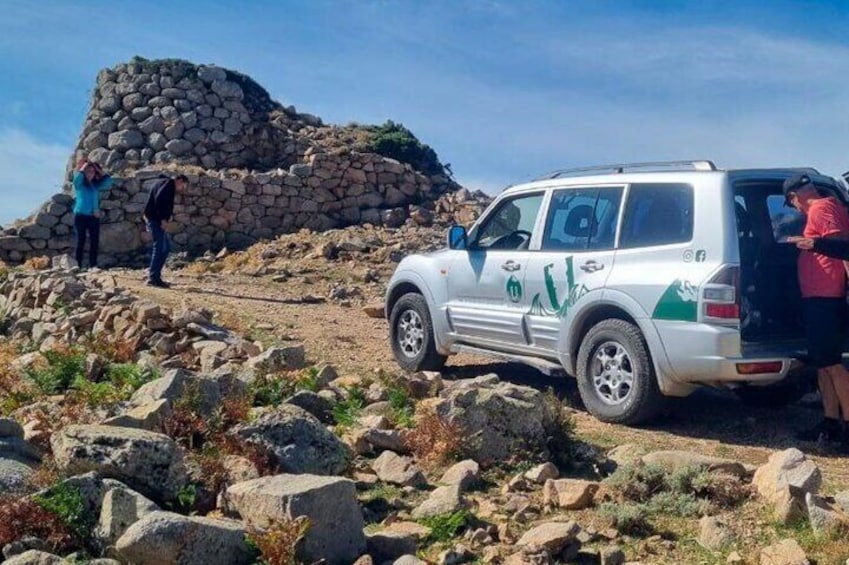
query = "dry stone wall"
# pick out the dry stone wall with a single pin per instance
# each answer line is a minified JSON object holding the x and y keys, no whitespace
{"x":256,"y":169}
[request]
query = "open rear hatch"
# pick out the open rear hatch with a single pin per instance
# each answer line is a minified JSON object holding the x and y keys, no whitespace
{"x":771,"y":320}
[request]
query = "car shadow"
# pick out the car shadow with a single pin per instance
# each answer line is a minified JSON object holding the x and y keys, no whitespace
{"x":707,"y":414}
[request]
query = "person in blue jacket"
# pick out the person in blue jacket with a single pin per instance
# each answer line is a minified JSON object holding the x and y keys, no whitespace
{"x":89,"y":182}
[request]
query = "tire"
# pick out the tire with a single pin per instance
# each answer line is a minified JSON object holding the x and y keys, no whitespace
{"x":626,"y":391}
{"x":411,"y":335}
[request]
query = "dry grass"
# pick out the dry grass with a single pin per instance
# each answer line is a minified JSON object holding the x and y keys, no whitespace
{"x":37,"y":263}
{"x":278,"y":543}
{"x":24,"y":517}
{"x":435,"y":441}
{"x":118,"y":351}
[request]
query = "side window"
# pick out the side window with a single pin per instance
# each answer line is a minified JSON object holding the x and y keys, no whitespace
{"x":581,"y":219}
{"x":511,"y":225}
{"x":657,"y":214}
{"x":786,"y":221}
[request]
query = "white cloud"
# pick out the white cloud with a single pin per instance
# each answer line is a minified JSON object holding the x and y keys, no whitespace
{"x":31,"y":171}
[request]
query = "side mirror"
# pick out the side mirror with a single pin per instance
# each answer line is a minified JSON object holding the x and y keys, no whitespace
{"x":457,"y":238}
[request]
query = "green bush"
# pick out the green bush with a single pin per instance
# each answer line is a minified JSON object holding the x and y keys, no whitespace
{"x":628,"y":518}
{"x":445,"y":527}
{"x":397,"y":142}
{"x":63,"y":367}
{"x":638,"y":483}
{"x":347,"y":411}
{"x":401,"y":408}
{"x":66,"y":502}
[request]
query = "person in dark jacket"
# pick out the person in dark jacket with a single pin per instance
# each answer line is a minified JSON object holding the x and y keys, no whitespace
{"x":830,"y":247}
{"x":159,"y":209}
{"x":89,"y":181}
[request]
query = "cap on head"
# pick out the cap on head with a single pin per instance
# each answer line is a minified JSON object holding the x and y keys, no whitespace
{"x":795,"y":184}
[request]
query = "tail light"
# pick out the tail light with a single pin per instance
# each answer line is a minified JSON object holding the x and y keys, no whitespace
{"x":721,"y":297}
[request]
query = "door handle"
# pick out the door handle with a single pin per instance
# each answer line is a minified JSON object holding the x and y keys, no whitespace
{"x":511,"y":266}
{"x":592,"y":266}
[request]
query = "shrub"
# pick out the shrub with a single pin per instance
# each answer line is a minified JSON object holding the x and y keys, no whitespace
{"x":185,"y":423}
{"x":629,"y":518}
{"x":638,"y":483}
{"x":271,"y":390}
{"x":560,"y":443}
{"x":445,"y":527}
{"x":397,"y":142}
{"x":435,"y":441}
{"x":24,"y":517}
{"x":66,"y":502}
{"x":64,"y":366}
{"x":278,"y":543}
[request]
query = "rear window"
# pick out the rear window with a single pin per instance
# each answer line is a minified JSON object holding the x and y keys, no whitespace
{"x":786,"y":221}
{"x":657,"y":214}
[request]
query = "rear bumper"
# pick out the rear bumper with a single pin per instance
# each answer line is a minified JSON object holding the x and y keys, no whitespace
{"x":706,"y":354}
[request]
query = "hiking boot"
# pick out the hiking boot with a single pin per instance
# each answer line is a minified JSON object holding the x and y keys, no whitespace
{"x":829,"y":430}
{"x":158,"y":283}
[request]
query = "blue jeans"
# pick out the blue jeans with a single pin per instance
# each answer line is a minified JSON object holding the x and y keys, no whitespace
{"x":161,"y":249}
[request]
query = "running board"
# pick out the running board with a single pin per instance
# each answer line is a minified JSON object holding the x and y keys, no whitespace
{"x":544,"y":366}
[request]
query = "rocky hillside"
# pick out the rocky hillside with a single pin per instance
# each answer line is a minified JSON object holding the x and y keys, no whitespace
{"x":256,"y":169}
{"x":253,"y":413}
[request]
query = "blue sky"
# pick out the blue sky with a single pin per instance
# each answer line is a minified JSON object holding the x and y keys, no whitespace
{"x":504,"y":91}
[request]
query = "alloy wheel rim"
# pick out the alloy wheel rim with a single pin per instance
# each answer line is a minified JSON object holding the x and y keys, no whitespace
{"x":612,"y":373}
{"x":410,"y":335}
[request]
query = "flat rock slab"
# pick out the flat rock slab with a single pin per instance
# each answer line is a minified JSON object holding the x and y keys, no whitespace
{"x":330,"y":504}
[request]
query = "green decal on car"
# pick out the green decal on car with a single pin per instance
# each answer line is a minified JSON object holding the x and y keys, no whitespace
{"x":514,"y":289}
{"x":558,"y":308}
{"x":679,"y":302}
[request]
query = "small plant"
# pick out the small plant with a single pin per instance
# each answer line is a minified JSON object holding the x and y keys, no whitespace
{"x":278,"y":543}
{"x":445,"y":527}
{"x":66,"y":502}
{"x":271,"y":390}
{"x":37,"y":263}
{"x":96,"y":395}
{"x":628,"y":518}
{"x":638,"y":483}
{"x":129,"y":375}
{"x":401,"y":408}
{"x":185,"y":423}
{"x":561,"y":441}
{"x":64,"y":366}
{"x":435,"y":441}
{"x":347,"y":411}
{"x":187,"y":496}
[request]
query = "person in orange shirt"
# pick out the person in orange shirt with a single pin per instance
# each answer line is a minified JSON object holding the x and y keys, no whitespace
{"x":822,"y":280}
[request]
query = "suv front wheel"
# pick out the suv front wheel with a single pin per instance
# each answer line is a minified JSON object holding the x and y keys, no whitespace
{"x":615,"y":375}
{"x":411,"y":334}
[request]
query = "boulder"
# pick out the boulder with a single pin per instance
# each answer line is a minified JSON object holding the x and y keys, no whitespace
{"x":551,"y":536}
{"x":714,"y":533}
{"x":297,"y":441}
{"x":146,"y":461}
{"x":121,"y":508}
{"x":392,"y":468}
{"x":330,"y":504}
{"x":570,"y":494}
{"x":785,"y":552}
{"x":387,"y":545}
{"x":464,"y":474}
{"x":825,"y":518}
{"x":276,"y":359}
{"x":500,"y":419}
{"x":165,"y":537}
{"x":313,"y":403}
{"x":35,"y":557}
{"x":442,"y":501}
{"x":788,"y":467}
{"x":542,"y":473}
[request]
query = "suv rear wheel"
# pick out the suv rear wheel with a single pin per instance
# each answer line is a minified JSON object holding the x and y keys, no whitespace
{"x":411,"y":335}
{"x":615,"y":375}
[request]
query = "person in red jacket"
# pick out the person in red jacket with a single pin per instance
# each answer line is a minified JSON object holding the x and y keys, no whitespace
{"x":822,"y":280}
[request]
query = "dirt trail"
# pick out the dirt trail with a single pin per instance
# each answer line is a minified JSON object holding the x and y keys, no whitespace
{"x":708,"y":422}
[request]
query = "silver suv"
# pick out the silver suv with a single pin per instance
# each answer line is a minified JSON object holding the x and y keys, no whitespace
{"x":643,"y":281}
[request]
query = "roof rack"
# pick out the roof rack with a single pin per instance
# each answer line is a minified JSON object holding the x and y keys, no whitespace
{"x":699,"y":165}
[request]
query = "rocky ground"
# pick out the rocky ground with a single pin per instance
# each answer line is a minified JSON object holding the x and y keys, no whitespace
{"x":253,"y":412}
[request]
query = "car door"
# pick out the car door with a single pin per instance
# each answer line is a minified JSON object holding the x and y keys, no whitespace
{"x":575,"y":258}
{"x":485,"y":286}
